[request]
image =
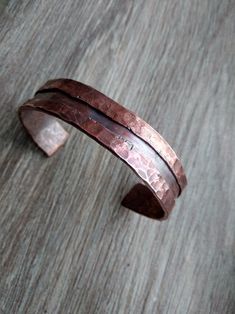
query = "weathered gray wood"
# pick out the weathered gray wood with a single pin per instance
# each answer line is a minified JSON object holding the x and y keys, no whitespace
{"x":66,"y":245}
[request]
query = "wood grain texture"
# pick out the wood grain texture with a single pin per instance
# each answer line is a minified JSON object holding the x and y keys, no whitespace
{"x":66,"y":244}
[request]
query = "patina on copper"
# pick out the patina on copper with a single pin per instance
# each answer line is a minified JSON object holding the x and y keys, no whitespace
{"x":117,"y":129}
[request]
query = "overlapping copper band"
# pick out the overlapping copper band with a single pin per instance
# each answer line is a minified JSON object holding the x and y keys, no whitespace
{"x":117,"y":129}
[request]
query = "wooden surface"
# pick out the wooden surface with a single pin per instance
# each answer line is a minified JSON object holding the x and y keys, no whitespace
{"x":66,"y":244}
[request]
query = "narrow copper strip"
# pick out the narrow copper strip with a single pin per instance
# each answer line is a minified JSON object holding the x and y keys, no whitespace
{"x":125,"y":117}
{"x":156,"y":198}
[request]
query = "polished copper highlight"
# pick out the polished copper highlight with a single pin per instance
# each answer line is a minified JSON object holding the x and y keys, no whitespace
{"x":117,"y":129}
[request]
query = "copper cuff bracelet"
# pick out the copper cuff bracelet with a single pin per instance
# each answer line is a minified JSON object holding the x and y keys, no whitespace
{"x":117,"y":129}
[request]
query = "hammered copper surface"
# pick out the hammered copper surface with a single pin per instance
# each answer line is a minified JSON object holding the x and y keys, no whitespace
{"x":125,"y":117}
{"x":108,"y":127}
